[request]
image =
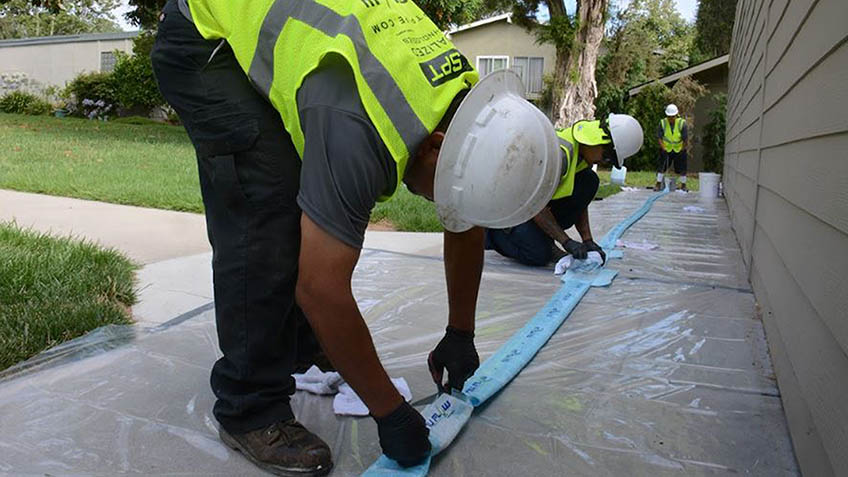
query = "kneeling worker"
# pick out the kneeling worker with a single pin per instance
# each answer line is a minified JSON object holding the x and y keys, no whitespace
{"x":583,"y":145}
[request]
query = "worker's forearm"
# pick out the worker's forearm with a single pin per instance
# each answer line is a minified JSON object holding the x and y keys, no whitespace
{"x":582,"y":225}
{"x":547,"y":222}
{"x":345,"y":338}
{"x":463,"y":268}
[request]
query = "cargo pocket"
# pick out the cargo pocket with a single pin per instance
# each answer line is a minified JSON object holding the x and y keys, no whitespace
{"x":221,"y":133}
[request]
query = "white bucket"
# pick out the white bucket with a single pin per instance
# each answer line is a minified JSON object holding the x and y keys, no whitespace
{"x":708,"y":184}
{"x":617,"y":175}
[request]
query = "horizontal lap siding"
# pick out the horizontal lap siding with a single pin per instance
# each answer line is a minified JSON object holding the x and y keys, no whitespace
{"x":786,"y":184}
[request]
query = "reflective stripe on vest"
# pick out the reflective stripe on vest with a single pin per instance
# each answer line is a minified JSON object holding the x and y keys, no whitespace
{"x":407,"y":72}
{"x":673,"y":138}
{"x":570,"y":165}
{"x":321,"y":18}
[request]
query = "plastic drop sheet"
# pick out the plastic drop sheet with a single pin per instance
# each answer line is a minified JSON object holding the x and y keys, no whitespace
{"x":666,"y":372}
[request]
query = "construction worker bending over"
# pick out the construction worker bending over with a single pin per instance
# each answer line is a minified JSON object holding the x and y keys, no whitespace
{"x":303,"y":115}
{"x":672,"y":134}
{"x":586,"y":143}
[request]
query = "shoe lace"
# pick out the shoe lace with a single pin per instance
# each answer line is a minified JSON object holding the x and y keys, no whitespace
{"x":287,"y":432}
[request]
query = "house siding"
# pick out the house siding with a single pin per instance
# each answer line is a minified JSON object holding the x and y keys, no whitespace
{"x":502,"y":38}
{"x":786,"y":183}
{"x":57,"y":62}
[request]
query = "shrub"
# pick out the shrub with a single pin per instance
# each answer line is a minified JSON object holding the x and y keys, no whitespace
{"x":89,"y":94}
{"x":135,"y":84}
{"x":648,"y":108}
{"x":19,"y":102}
{"x":714,"y":136}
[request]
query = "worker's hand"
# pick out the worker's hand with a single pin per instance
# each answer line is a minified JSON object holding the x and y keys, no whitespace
{"x":403,"y":435}
{"x":457,"y":353}
{"x":591,"y":246}
{"x":576,"y":249}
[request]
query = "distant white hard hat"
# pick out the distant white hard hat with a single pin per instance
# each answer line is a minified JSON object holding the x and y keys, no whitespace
{"x":671,"y":110}
{"x":500,"y":161}
{"x":627,"y":136}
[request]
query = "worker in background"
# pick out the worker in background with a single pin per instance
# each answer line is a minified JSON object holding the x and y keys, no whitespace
{"x":303,"y":115}
{"x":672,"y":134}
{"x":583,"y":145}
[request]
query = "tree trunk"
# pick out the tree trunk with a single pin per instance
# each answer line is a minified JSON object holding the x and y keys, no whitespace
{"x":575,"y":72}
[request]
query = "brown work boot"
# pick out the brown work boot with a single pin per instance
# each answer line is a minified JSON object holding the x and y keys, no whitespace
{"x":285,"y":448}
{"x":658,"y":186}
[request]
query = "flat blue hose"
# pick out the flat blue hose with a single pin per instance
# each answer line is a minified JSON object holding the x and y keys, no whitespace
{"x":448,"y":414}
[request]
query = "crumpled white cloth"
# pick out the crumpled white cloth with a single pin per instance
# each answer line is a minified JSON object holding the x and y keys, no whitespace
{"x":316,"y":381}
{"x":694,"y":208}
{"x":346,"y":402}
{"x":568,"y":261}
{"x":630,"y":189}
{"x":643,"y":245}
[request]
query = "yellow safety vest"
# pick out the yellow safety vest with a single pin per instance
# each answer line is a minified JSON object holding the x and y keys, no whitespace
{"x":585,"y":132}
{"x":406,"y":71}
{"x":571,"y":162}
{"x":673,"y":137}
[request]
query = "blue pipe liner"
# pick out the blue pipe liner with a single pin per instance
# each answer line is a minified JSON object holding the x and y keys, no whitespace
{"x":447,"y":415}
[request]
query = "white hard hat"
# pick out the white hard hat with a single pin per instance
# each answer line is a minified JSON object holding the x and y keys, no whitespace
{"x":671,"y":110}
{"x":627,"y":135}
{"x":500,"y":161}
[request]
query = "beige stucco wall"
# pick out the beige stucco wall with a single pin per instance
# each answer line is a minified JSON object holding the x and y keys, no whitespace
{"x":57,"y":63}
{"x":785,"y":176}
{"x":502,"y":38}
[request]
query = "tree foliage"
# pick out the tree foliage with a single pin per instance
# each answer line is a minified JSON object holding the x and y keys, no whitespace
{"x":26,"y":18}
{"x":714,"y":135}
{"x":713,"y":29}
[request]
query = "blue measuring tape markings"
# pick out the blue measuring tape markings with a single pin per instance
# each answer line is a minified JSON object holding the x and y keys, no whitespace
{"x":447,"y":415}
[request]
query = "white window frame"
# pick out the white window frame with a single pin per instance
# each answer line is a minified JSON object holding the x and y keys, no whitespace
{"x":492,"y":57}
{"x":527,"y":73}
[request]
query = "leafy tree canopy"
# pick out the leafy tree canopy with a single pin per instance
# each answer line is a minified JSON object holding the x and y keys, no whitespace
{"x":27,"y":18}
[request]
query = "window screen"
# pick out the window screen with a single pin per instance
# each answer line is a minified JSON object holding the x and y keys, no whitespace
{"x":487,"y":64}
{"x":107,"y":61}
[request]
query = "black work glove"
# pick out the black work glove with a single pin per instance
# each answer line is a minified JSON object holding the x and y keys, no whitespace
{"x":455,"y":352}
{"x":403,"y":435}
{"x":576,"y":249}
{"x":591,"y":246}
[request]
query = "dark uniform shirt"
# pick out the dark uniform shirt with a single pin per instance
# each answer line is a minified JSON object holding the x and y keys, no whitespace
{"x":346,"y":165}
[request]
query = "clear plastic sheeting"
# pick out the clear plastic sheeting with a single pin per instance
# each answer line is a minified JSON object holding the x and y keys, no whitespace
{"x":666,"y":372}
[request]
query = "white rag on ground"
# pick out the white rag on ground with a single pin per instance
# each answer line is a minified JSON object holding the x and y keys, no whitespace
{"x":643,"y":245}
{"x":568,"y":262}
{"x":346,"y":402}
{"x":630,"y":189}
{"x":694,"y":208}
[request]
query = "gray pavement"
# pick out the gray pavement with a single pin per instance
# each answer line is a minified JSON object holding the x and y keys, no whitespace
{"x":664,"y":373}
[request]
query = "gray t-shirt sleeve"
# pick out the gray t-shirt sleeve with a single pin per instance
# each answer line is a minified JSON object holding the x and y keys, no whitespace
{"x":346,"y":165}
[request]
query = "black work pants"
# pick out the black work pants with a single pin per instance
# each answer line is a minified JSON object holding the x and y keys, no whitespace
{"x":528,"y":243}
{"x":249,"y":178}
{"x":668,"y":158}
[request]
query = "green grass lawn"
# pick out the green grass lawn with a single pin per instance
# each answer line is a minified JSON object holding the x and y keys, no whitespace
{"x":145,"y":165}
{"x":55,"y":289}
{"x":136,"y":162}
{"x":643,"y":179}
